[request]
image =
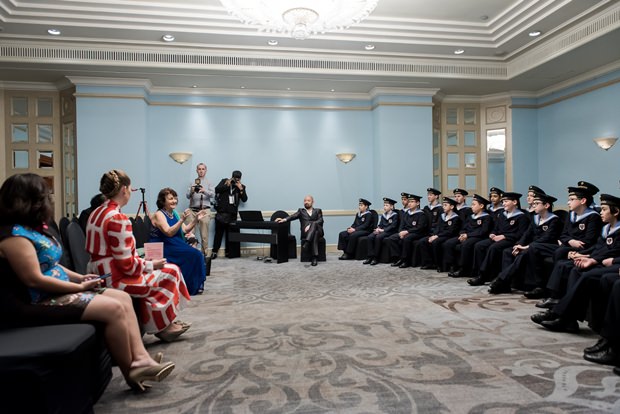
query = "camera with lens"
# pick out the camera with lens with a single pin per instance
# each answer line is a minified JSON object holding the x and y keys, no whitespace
{"x":197,"y":185}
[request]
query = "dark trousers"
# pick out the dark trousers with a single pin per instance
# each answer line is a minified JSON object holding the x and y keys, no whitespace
{"x":401,"y":248}
{"x":611,"y":324}
{"x":374,"y":242}
{"x":584,"y":286}
{"x":221,"y":228}
{"x":488,"y":257}
{"x":347,"y":242}
{"x":311,"y":238}
{"x":512,"y":267}
{"x":453,"y":249}
{"x":431,"y":253}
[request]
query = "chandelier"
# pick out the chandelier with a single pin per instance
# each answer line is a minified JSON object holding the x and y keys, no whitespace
{"x":300,"y":18}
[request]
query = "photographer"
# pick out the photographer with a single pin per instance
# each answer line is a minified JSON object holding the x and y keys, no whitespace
{"x":229,"y":193}
{"x":200,"y":195}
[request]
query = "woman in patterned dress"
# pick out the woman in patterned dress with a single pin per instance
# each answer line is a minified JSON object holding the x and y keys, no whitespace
{"x":112,"y":247}
{"x":29,"y":258}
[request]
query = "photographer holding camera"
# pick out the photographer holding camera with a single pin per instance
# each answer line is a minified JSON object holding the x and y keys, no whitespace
{"x":201,"y":195}
{"x":229,"y":193}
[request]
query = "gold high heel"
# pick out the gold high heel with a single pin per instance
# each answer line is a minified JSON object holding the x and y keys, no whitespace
{"x":157,"y":373}
{"x":158,"y":357}
{"x":171,"y":336}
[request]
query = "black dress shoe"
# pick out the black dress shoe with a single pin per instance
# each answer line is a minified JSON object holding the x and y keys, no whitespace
{"x":313,"y":262}
{"x":616,"y":370}
{"x":476,"y":281}
{"x":597,"y":347}
{"x":403,"y":265}
{"x":429,"y":267}
{"x":541,"y":317}
{"x":456,"y":274}
{"x":373,"y":262}
{"x":344,"y":257}
{"x":562,"y":325}
{"x":548,"y":303}
{"x":605,"y":356}
{"x":367,"y":261}
{"x":537,"y":293}
{"x":499,"y":286}
{"x":213,"y":255}
{"x":397,"y":263}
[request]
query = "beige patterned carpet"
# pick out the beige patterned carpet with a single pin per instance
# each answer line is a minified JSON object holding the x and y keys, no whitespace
{"x":348,"y":338}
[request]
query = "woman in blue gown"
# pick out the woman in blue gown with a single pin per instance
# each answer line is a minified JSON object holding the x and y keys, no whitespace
{"x":170,"y":229}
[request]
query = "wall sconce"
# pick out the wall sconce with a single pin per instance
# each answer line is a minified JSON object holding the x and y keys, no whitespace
{"x":345,"y":157}
{"x":606,"y":142}
{"x":180,"y":157}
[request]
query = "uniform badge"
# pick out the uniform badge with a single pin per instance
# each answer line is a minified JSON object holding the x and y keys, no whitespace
{"x":414,"y":223}
{"x":512,"y":222}
{"x":434,"y":213}
{"x":390,"y":221}
{"x":609,"y":240}
{"x":450,"y":223}
{"x":582,"y":226}
{"x":545,"y":228}
{"x":479,"y":222}
{"x":363,"y":219}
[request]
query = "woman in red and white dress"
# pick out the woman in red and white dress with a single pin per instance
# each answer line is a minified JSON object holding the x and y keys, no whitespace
{"x":112,"y":247}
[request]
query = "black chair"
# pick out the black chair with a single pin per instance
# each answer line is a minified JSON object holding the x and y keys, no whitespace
{"x":361,"y":250}
{"x":322,"y":257}
{"x":77,"y":247}
{"x":292,"y":240}
{"x":562,"y":215}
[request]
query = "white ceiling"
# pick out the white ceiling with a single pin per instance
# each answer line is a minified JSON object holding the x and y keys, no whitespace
{"x":416,"y":39}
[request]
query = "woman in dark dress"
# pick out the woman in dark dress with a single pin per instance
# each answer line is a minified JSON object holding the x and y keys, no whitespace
{"x":37,"y":290}
{"x":170,"y":229}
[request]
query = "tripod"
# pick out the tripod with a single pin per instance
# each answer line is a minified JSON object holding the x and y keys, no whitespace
{"x":142,"y":206}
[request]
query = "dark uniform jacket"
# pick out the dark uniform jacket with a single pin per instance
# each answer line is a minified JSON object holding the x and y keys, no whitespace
{"x":546,"y":232}
{"x":390,"y":223}
{"x":585,"y":228}
{"x":478,"y":226}
{"x":607,"y":245}
{"x":513,"y":227}
{"x":227,"y":210}
{"x":463,"y":212}
{"x":433,"y":214}
{"x":415,"y":222}
{"x":447,"y":226}
{"x":305,"y":218}
{"x":363,"y":222}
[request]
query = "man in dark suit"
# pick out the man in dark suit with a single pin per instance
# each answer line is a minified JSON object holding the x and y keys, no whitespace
{"x":311,"y":223}
{"x":362,"y":226}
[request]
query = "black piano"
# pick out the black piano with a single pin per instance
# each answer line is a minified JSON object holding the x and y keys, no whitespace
{"x":278,"y":237}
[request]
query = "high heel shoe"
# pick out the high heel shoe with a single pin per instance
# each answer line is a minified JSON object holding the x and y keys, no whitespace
{"x":182,"y":323}
{"x":168,"y":336}
{"x":157,"y":373}
{"x":158,"y":357}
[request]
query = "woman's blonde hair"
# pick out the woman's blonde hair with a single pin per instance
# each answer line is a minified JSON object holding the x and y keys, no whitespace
{"x":112,"y":182}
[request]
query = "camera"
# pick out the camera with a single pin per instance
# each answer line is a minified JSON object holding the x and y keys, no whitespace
{"x":197,"y":185}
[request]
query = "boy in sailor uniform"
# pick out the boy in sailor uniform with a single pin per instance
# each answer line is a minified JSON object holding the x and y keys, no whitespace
{"x":413,"y":226}
{"x":388,"y":225}
{"x":584,"y":271}
{"x":545,"y":227}
{"x":347,"y":239}
{"x":433,"y":210}
{"x":431,"y":247}
{"x":462,"y":209}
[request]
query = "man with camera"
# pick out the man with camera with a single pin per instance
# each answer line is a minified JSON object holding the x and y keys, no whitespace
{"x":200,"y":195}
{"x":229,"y":193}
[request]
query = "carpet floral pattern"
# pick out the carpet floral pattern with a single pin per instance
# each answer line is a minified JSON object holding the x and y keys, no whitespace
{"x":348,"y":338}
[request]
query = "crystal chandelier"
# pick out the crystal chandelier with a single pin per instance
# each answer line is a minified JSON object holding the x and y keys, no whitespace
{"x":300,"y":18}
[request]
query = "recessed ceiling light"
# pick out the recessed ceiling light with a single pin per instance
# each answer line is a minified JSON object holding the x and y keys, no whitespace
{"x":272,"y":42}
{"x":167,"y":38}
{"x":243,"y":87}
{"x":459,"y":51}
{"x":53,"y":32}
{"x":194,"y":86}
{"x":288,"y":89}
{"x":332,"y":90}
{"x":535,"y":33}
{"x":369,"y":47}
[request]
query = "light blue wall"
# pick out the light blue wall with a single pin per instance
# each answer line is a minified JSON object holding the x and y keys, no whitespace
{"x":566,"y":150}
{"x":285,"y":148}
{"x":525,"y":149}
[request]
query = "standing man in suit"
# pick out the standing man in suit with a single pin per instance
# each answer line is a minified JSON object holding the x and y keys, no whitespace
{"x":311,"y":223}
{"x":200,"y":195}
{"x":347,"y":239}
{"x":229,"y":193}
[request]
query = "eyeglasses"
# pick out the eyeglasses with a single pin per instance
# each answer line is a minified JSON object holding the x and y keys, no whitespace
{"x":572,"y":199}
{"x":537,"y":203}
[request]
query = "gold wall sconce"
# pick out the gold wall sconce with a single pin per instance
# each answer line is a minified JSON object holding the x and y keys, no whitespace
{"x":180,"y":157}
{"x":605,"y":142}
{"x":345,"y":157}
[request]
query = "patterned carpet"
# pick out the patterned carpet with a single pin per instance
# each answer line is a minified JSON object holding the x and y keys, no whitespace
{"x":347,"y":338}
